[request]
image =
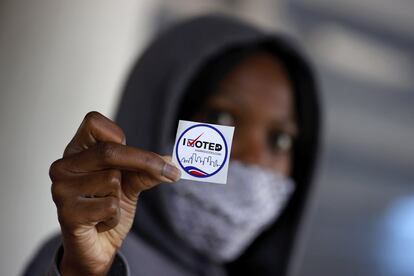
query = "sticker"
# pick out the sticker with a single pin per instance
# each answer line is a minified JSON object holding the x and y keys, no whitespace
{"x":202,"y":151}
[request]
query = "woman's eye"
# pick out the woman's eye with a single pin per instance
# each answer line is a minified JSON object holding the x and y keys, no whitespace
{"x":221,"y":118}
{"x":281,"y":142}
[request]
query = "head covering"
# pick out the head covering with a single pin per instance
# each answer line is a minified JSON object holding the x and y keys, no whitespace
{"x":148,"y":114}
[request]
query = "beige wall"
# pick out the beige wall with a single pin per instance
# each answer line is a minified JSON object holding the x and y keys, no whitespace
{"x":58,"y":60}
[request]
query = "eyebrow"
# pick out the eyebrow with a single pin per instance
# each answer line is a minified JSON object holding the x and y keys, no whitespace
{"x":230,"y":98}
{"x":289,"y":122}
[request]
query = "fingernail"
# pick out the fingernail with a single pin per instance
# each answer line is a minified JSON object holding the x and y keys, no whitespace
{"x":171,"y":171}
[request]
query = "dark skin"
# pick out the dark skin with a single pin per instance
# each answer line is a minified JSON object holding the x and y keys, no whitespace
{"x":257,"y":98}
{"x":96,"y":184}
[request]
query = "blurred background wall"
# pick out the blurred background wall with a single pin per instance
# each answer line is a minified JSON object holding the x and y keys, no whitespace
{"x":59,"y":60}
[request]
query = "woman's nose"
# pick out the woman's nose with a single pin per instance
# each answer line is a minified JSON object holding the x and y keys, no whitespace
{"x":249,"y":146}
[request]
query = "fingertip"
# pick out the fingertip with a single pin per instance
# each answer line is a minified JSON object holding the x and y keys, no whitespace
{"x":171,"y":171}
{"x":167,"y":158}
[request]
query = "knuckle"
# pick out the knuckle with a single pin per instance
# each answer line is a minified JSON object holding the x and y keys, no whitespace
{"x":121,"y":138}
{"x":91,"y":120}
{"x":112,"y":206}
{"x":114,"y":177}
{"x":106,"y":151}
{"x":92,"y":117}
{"x":58,"y":192}
{"x":122,"y":135}
{"x":114,"y":181}
{"x":95,"y":121}
{"x":56,"y":169}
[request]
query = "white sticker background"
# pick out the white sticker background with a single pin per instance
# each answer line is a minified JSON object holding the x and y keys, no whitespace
{"x":202,"y":151}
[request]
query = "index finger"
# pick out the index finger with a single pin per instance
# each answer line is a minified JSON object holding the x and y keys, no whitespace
{"x":115,"y":156}
{"x":94,"y":128}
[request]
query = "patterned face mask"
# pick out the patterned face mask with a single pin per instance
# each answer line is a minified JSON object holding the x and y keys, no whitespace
{"x":220,"y":221}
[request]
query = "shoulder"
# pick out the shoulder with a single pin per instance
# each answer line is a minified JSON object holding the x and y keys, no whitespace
{"x":43,"y":258}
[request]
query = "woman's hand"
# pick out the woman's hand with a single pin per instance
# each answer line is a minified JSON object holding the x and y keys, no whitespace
{"x":95,"y":187}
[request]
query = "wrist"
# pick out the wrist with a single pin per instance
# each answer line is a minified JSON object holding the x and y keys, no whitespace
{"x":68,"y":267}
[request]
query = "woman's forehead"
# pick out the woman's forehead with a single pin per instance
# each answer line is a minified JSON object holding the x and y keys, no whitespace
{"x":259,"y":83}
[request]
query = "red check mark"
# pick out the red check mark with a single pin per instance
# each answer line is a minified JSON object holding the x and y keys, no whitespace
{"x":195,"y":140}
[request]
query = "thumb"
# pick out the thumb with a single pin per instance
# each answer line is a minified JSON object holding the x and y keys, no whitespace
{"x":135,"y":182}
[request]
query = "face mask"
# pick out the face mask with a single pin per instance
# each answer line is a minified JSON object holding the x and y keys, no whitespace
{"x":220,"y":221}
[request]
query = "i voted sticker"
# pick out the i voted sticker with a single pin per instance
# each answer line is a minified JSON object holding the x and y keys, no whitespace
{"x":202,"y":151}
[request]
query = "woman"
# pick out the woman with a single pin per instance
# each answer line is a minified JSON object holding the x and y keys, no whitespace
{"x":211,"y":69}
